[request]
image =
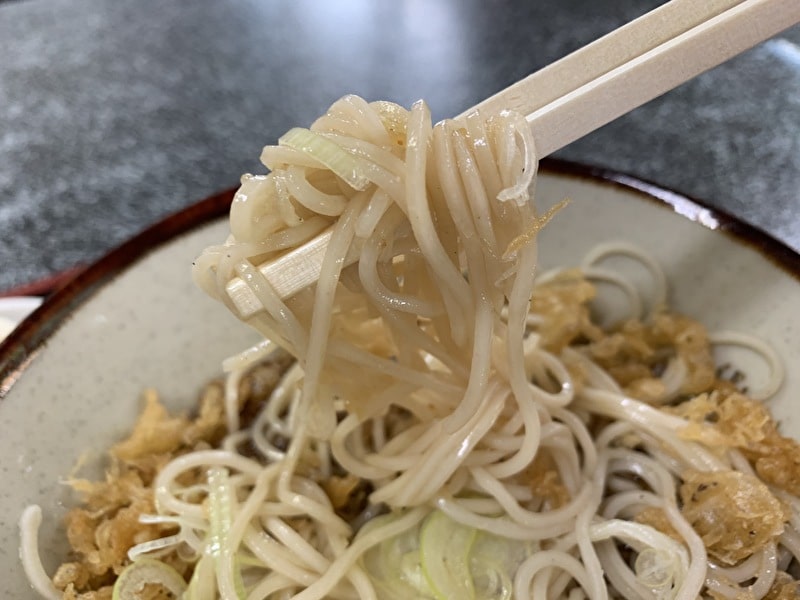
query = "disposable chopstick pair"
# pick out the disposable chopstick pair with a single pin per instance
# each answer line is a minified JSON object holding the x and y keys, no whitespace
{"x":587,"y":89}
{"x":605,"y":54}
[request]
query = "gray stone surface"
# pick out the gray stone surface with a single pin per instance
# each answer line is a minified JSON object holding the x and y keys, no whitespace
{"x":115,"y":113}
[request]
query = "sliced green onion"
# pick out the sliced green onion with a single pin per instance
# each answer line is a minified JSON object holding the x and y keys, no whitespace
{"x":496,"y":549}
{"x":655,"y":569}
{"x":131,"y":582}
{"x":491,"y":580}
{"x":219,"y":508}
{"x":350,"y":168}
{"x":203,"y":585}
{"x":443,"y":559}
{"x":411,"y":574}
{"x":493,"y":561}
{"x":220,"y":496}
{"x":444,"y":551}
{"x":394,"y":565}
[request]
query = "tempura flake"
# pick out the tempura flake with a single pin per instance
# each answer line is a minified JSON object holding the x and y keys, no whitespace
{"x":107,"y":522}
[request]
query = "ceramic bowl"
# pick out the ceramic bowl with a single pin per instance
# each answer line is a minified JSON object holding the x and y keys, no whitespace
{"x":13,"y":310}
{"x":71,"y":376}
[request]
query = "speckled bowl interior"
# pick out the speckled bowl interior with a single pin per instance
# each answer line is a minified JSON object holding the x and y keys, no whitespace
{"x":73,"y":375}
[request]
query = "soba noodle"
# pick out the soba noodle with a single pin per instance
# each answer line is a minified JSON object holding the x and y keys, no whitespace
{"x":467,"y":397}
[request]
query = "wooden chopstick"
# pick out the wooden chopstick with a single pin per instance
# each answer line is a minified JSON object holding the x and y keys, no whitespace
{"x":588,"y":89}
{"x":659,"y":70}
{"x":594,"y":60}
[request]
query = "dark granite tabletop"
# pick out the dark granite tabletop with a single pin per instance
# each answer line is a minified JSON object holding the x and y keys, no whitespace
{"x":115,"y":113}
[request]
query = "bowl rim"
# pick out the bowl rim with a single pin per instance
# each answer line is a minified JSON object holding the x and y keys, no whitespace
{"x":22,"y":345}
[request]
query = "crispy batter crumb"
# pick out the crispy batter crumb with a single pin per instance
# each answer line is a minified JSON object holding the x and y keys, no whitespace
{"x":563,"y":304}
{"x":104,"y":593}
{"x":723,"y":420}
{"x":74,"y":574}
{"x":734,"y":513}
{"x":784,"y":588}
{"x":545,"y":481}
{"x":657,"y":519}
{"x":339,"y":489}
{"x":637,"y":350}
{"x":348,"y":494}
{"x":106,"y":524}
